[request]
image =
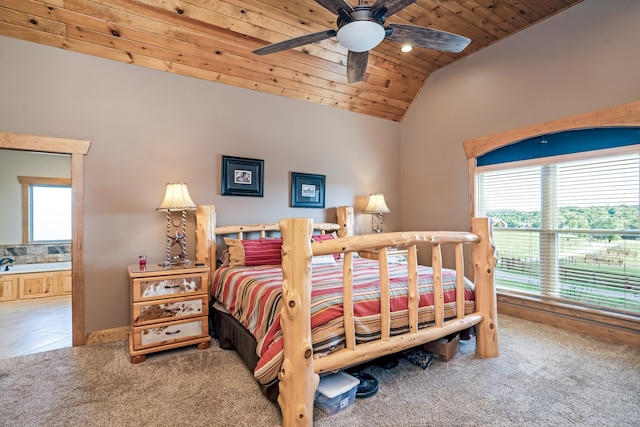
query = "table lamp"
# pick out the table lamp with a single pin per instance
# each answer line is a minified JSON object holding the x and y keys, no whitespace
{"x":376,"y":207}
{"x":177,"y":199}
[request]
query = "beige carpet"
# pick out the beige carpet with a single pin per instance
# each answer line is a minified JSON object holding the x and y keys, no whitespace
{"x":544,"y":377}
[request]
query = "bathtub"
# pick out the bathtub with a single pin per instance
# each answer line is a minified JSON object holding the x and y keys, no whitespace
{"x":36,"y":268}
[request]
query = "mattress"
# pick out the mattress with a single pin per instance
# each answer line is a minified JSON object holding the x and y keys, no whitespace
{"x":253,"y":296}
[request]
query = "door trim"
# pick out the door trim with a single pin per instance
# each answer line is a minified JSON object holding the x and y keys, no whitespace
{"x":77,"y":149}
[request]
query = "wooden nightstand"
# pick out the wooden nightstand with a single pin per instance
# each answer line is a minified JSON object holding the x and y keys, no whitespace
{"x":169,"y":308}
{"x":394,"y":255}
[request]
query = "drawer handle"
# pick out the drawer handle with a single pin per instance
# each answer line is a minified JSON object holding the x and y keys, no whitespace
{"x":169,"y":287}
{"x":171,"y":333}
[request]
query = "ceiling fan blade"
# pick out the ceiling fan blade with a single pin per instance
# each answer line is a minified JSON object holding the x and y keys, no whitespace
{"x":335,"y":5}
{"x":393,"y":6}
{"x":427,"y":38}
{"x":356,"y":66}
{"x":295,"y":42}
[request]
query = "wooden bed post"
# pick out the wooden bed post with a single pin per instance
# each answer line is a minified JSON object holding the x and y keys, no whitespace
{"x":484,"y":264}
{"x":344,"y":218}
{"x":206,"y":246}
{"x":298,"y":381}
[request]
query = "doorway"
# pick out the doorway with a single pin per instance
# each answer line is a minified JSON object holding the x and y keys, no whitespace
{"x":35,"y":248}
{"x":77,"y":149}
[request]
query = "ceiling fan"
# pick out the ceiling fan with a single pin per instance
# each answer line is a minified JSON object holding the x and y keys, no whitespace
{"x":361,"y":28}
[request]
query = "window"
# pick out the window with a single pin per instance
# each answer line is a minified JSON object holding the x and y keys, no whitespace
{"x":46,"y":215}
{"x":566,"y":227}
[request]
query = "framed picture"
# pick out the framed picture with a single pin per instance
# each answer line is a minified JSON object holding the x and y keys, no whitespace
{"x":242,"y":177}
{"x":307,"y":190}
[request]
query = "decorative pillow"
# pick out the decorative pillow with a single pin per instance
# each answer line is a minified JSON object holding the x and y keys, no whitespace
{"x":322,"y":237}
{"x":267,"y":251}
{"x":223,"y":261}
{"x":236,"y":252}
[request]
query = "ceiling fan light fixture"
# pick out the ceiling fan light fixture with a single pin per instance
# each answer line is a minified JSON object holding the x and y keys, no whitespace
{"x":361,"y":36}
{"x":406,"y":48}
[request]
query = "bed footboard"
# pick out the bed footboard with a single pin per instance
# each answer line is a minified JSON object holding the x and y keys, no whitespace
{"x":297,"y":379}
{"x":299,"y":373}
{"x":484,"y":260}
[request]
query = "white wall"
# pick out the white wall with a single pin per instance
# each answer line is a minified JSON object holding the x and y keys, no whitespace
{"x":148,"y":127}
{"x":580,"y":60}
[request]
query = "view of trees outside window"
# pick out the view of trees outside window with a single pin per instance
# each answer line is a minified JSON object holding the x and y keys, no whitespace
{"x":568,"y":231}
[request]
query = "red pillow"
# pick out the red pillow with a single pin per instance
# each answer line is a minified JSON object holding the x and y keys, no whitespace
{"x":321,"y":237}
{"x":262,"y":251}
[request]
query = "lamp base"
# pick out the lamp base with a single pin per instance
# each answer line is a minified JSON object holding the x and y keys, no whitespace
{"x":180,"y":239}
{"x":177,"y":261}
{"x":376,"y":222}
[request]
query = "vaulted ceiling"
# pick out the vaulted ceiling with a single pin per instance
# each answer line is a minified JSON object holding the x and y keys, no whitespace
{"x":214,"y":39}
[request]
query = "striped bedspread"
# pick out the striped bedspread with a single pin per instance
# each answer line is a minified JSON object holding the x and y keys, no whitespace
{"x":253,"y":296}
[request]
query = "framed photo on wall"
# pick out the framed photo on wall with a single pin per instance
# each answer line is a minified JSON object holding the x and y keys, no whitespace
{"x":307,"y":190}
{"x":242,"y":176}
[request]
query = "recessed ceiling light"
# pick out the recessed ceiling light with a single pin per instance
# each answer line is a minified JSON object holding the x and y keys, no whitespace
{"x":406,"y":48}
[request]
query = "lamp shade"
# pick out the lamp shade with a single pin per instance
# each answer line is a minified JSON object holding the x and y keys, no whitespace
{"x":177,"y":198}
{"x":361,"y":36}
{"x":376,"y":204}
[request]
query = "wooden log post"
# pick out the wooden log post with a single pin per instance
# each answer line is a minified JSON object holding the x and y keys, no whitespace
{"x":438,"y":292}
{"x":347,"y":302}
{"x":385,"y":295}
{"x":412,"y":288}
{"x":344,"y":217}
{"x":206,"y":246}
{"x":298,"y":381}
{"x":459,"y":281}
{"x":484,"y":259}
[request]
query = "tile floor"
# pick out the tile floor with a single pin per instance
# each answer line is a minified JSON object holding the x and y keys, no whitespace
{"x":33,"y":326}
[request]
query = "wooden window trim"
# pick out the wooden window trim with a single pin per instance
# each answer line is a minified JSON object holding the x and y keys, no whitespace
{"x":598,"y":324}
{"x":26,"y":182}
{"x":622,"y":115}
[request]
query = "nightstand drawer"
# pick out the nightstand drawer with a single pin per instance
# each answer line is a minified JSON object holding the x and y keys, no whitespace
{"x":167,"y":310}
{"x":168,"y":286}
{"x":169,"y":333}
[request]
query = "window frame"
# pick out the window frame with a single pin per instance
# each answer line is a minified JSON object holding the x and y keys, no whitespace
{"x":597,"y":323}
{"x":548,"y":232}
{"x":27,"y":182}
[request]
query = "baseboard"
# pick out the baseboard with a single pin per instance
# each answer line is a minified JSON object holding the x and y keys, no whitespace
{"x":621,"y":330}
{"x":107,"y":335}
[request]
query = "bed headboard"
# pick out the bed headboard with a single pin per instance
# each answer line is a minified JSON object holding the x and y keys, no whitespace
{"x":207,"y":230}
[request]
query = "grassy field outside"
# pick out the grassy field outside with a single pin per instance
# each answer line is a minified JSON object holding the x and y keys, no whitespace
{"x":593,"y":270}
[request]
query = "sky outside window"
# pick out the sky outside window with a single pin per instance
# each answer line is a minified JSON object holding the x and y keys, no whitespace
{"x":51,"y":213}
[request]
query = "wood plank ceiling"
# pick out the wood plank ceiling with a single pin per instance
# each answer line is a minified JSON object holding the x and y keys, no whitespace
{"x":214,"y":39}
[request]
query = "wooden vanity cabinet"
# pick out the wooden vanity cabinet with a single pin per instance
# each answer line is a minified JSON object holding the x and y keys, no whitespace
{"x":23,"y":286}
{"x":37,"y":285}
{"x":64,"y":282}
{"x":8,"y":288}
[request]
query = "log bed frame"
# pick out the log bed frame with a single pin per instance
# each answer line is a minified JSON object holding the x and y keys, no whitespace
{"x":299,"y":374}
